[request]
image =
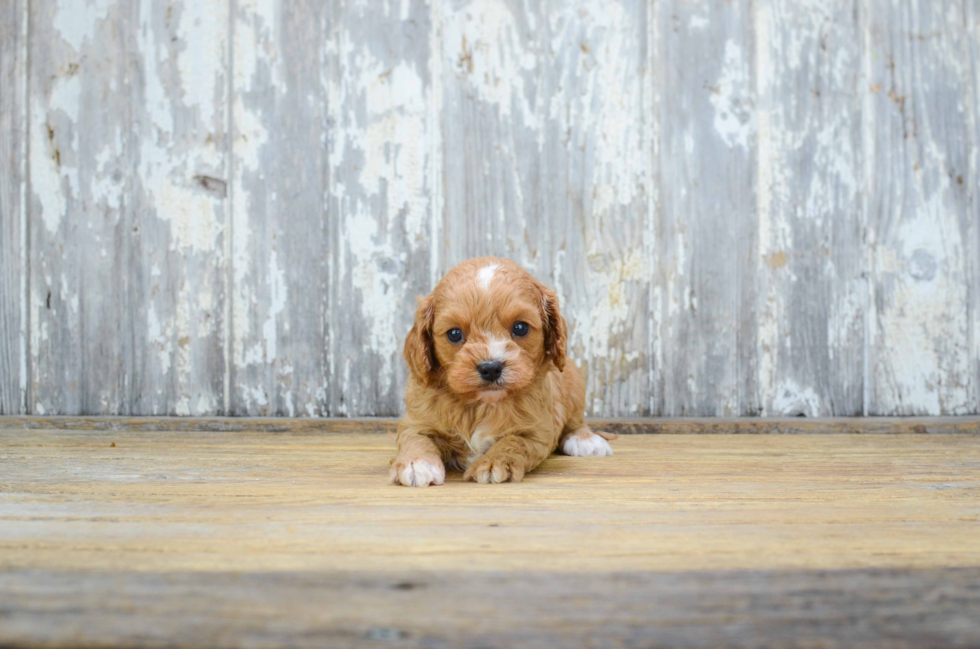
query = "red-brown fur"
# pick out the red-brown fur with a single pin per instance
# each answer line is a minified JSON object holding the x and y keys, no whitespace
{"x":452,"y":419}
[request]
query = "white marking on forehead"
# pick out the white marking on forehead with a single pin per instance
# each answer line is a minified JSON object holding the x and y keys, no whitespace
{"x":485,"y":276}
{"x":497,"y":349}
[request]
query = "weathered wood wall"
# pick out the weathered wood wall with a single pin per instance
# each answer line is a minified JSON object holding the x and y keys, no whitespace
{"x":748,"y":208}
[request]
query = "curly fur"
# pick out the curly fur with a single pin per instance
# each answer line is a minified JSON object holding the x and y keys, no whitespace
{"x":499,"y":432}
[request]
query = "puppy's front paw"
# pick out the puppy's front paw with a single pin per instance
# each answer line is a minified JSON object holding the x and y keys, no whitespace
{"x":585,"y":445}
{"x":417,"y":473}
{"x":494,"y":469}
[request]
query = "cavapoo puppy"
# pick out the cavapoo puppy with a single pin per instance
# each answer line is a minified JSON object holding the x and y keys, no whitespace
{"x":491,"y":392}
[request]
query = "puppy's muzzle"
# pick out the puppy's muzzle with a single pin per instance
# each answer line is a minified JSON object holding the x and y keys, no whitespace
{"x":490,"y":371}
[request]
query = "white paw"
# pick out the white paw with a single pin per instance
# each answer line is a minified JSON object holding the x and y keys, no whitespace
{"x":589,"y":446}
{"x":418,"y":473}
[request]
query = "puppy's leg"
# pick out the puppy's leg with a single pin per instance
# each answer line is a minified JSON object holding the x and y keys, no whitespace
{"x":418,"y":463}
{"x":508,"y":460}
{"x":582,"y":442}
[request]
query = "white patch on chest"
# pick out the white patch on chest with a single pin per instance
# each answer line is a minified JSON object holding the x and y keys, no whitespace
{"x":485,"y":275}
{"x":480,"y":442}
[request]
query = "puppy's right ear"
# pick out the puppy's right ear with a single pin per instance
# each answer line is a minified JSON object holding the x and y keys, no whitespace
{"x":420,"y":354}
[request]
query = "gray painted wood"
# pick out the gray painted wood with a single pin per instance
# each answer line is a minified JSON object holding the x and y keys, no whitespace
{"x":928,"y":607}
{"x":332,"y":204}
{"x":280,"y":230}
{"x":920,"y":147}
{"x":383,"y":193}
{"x":705,"y":251}
{"x":973,"y":189}
{"x":811,"y":285}
{"x":747,"y":208}
{"x":81,"y":212}
{"x":127,"y":156}
{"x":13,"y":240}
{"x":545,"y":139}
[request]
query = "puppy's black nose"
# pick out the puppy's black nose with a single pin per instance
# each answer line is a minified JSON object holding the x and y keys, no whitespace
{"x":490,"y":370}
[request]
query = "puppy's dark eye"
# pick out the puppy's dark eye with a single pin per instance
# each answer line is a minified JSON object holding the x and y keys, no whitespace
{"x":521,"y":329}
{"x":455,"y":336}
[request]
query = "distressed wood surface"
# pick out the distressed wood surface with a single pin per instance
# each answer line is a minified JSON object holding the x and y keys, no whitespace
{"x":280,"y":239}
{"x":249,"y":501}
{"x":621,"y":426}
{"x":193,"y":538}
{"x":382,"y":194}
{"x":13,"y":225}
{"x":128,"y":130}
{"x":437,"y":609}
{"x":704,"y":230}
{"x":920,"y":146}
{"x":761,"y":208}
{"x":812,"y":290}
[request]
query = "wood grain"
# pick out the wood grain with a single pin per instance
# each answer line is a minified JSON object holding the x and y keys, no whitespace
{"x":13,"y":222}
{"x":704,"y":228}
{"x":112,"y":538}
{"x":635,"y":426}
{"x":227,"y":207}
{"x":922,"y":218}
{"x":126,"y":167}
{"x":279,"y":338}
{"x":435,"y":609}
{"x":382,"y":194}
{"x":812,"y":289}
{"x":177,"y":501}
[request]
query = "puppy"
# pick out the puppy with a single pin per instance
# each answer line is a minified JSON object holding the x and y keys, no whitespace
{"x":491,"y":392}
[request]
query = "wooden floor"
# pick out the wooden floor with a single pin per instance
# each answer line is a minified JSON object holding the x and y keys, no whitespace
{"x":258,"y":539}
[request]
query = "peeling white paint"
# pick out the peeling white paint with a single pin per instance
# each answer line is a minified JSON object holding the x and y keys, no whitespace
{"x":76,"y":20}
{"x":373,"y":283}
{"x":791,"y":400}
{"x":52,"y":175}
{"x":201,"y":61}
{"x":570,"y":87}
{"x":732,"y":98}
{"x":278,"y":292}
{"x":486,"y":45}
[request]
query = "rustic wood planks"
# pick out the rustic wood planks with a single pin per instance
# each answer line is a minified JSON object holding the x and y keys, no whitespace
{"x":192,"y":538}
{"x":920,"y":143}
{"x":226,"y":207}
{"x":128,"y":129}
{"x":13,"y":225}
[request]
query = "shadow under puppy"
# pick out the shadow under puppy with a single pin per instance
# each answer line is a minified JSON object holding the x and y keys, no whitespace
{"x":491,"y":392}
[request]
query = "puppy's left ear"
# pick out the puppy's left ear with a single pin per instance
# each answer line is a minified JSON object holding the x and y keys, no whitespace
{"x":419,"y":351}
{"x":555,"y":331}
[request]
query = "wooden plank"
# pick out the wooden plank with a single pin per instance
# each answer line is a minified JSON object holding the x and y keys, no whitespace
{"x":267,"y":502}
{"x":811,"y":257}
{"x":13,"y":223}
{"x":973,"y":189}
{"x":921,"y":216}
{"x":197,"y":539}
{"x":281,"y":231}
{"x":546,"y":162}
{"x":627,"y":426}
{"x":179,"y":263}
{"x":382,"y":193}
{"x":860,"y":608}
{"x":127,"y":163}
{"x":706,"y":250}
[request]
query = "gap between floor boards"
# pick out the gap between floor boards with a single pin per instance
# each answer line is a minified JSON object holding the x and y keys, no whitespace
{"x":640,"y":426}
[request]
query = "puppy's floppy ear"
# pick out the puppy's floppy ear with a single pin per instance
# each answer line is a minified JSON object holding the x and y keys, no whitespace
{"x":419,"y":351}
{"x":555,"y":331}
